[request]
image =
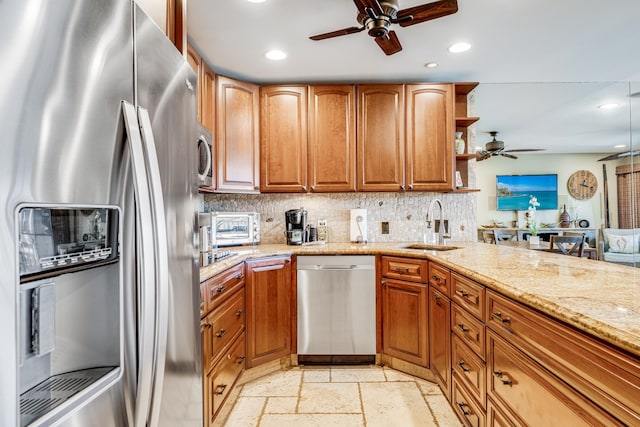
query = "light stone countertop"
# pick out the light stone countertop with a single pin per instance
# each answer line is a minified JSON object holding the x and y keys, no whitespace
{"x":597,"y":297}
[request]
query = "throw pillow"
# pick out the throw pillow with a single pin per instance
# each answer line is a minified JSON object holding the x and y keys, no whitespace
{"x":623,"y":244}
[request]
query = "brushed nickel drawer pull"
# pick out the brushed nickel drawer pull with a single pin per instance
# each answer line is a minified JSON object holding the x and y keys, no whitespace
{"x":436,"y":278}
{"x":240,"y":360}
{"x":436,"y":297}
{"x":500,"y":375}
{"x":402,"y":269}
{"x":383,"y":283}
{"x":462,"y":327}
{"x":462,"y":366}
{"x":462,"y":406}
{"x":239,"y":276}
{"x":221,"y":333}
{"x":239,"y":313}
{"x":497,"y":315}
{"x":207,"y":324}
{"x":217,"y":290}
{"x":220,"y":389}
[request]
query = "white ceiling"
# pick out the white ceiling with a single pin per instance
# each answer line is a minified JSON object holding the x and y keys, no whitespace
{"x":513,"y":42}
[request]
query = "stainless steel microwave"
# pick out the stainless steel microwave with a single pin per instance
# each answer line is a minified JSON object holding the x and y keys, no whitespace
{"x":231,"y":228}
{"x":205,"y":157}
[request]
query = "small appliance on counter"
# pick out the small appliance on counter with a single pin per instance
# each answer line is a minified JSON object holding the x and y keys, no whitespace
{"x":358,"y":226}
{"x":296,"y":223}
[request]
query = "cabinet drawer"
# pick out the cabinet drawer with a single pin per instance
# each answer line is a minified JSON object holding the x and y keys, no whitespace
{"x":468,"y":329}
{"x":225,"y":323}
{"x":414,"y":270}
{"x":440,"y":278}
{"x":218,"y":287}
{"x":203,"y":299}
{"x":223,"y":377}
{"x":468,"y":294}
{"x":465,"y":406}
{"x":531,"y":395}
{"x":470,"y":369}
{"x":603,"y":374}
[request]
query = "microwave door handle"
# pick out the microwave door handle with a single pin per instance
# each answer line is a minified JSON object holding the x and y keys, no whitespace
{"x":207,"y":169}
{"x":146,"y":274}
{"x":161,"y":263}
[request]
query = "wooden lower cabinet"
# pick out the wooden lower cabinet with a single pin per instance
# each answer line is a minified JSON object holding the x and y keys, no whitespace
{"x":268,"y":291}
{"x":221,"y":379}
{"x":440,"y":339}
{"x":223,"y":320}
{"x":404,"y":321}
{"x":470,"y":369}
{"x":529,"y":395}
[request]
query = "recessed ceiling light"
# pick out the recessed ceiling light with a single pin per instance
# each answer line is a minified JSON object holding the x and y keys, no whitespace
{"x":459,"y":47}
{"x":431,"y":65}
{"x":275,"y":55}
{"x":257,"y":1}
{"x":608,"y":106}
{"x":619,"y":146}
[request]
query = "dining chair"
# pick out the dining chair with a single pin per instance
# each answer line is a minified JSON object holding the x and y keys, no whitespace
{"x":505,"y":235}
{"x":568,"y":245}
{"x":488,"y":236}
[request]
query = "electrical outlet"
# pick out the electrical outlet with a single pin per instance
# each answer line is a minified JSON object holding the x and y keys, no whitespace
{"x":385,"y":227}
{"x":437,"y":225}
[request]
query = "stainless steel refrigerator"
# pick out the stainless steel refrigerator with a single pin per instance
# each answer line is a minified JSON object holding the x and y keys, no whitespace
{"x":99,"y":301}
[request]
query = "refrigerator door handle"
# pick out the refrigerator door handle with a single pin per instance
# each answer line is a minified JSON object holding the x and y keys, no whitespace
{"x":147,"y":269}
{"x":161,"y":261}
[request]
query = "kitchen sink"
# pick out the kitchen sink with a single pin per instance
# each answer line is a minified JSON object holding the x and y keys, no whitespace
{"x":429,"y":247}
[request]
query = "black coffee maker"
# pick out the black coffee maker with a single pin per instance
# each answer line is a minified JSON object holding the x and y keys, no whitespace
{"x":296,"y":222}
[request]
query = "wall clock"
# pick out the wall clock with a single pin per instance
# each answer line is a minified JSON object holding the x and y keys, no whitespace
{"x":582,"y":184}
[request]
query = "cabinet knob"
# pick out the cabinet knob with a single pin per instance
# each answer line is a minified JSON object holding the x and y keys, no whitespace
{"x":220,"y":389}
{"x":410,"y":186}
{"x":240,"y":360}
{"x":383,"y":283}
{"x":313,"y":188}
{"x":402,"y":187}
{"x":239,"y":313}
{"x":239,"y":277}
{"x":221,"y":333}
{"x":436,"y":278}
{"x":462,"y":327}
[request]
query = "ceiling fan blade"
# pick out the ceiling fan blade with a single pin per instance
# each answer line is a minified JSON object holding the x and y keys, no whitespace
{"x":511,"y":156}
{"x":390,"y":45}
{"x":342,"y":32}
{"x":524,"y":150}
{"x":620,"y":155}
{"x":426,"y":12}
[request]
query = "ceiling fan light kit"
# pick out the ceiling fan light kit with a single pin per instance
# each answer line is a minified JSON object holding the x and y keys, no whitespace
{"x":377,"y":16}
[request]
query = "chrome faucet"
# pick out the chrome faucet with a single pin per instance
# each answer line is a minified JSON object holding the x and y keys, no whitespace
{"x":442,"y":229}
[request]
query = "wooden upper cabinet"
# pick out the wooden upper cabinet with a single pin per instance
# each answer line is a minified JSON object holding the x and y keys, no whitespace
{"x":430,"y":131}
{"x":283,"y":139}
{"x":194,"y":59}
{"x":380,"y":139}
{"x":332,"y":138}
{"x":207,"y":96}
{"x":237,"y":142}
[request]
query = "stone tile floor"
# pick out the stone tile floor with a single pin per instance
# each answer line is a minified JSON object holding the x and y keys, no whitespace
{"x":340,"y":396}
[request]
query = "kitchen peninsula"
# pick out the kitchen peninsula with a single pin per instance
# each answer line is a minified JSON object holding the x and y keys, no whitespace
{"x":557,"y":323}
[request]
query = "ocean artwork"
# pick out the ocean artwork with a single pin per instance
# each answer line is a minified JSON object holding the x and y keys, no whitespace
{"x":514,"y":191}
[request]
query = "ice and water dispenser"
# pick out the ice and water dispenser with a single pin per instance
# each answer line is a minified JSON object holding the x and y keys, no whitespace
{"x":69,"y":297}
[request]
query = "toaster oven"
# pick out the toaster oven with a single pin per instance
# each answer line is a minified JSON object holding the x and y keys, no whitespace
{"x":231,"y":228}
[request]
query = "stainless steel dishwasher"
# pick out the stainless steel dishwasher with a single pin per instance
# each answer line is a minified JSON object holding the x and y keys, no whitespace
{"x":336,"y":309}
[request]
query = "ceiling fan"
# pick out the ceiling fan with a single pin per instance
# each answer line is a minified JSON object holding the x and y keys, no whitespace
{"x":496,"y":148}
{"x":620,"y":155}
{"x":376,"y":16}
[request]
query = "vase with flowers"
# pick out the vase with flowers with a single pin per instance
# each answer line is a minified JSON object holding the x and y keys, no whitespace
{"x":532,"y":222}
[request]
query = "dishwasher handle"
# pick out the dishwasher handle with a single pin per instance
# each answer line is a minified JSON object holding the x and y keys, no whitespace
{"x":335,"y":267}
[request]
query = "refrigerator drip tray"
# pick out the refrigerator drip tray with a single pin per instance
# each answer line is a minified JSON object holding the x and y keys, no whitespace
{"x":56,"y":390}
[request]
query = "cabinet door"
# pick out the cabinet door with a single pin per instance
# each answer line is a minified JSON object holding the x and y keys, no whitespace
{"x":440,"y":339}
{"x":404,"y":321}
{"x":194,"y":59}
{"x":283,"y":139}
{"x":268,"y":293}
{"x":207,"y":96}
{"x":380,"y":138}
{"x":430,"y":135}
{"x":237,"y":141}
{"x":332,"y":138}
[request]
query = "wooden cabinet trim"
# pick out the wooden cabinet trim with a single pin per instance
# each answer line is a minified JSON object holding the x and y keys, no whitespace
{"x":465,"y":406}
{"x":440,"y":339}
{"x":470,"y":368}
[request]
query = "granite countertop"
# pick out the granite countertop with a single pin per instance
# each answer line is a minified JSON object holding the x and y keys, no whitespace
{"x":600,"y":298}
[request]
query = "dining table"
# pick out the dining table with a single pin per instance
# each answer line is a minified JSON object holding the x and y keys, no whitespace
{"x":588,"y":251}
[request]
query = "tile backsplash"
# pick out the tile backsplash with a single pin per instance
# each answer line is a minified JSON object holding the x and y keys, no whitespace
{"x":405,"y":212}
